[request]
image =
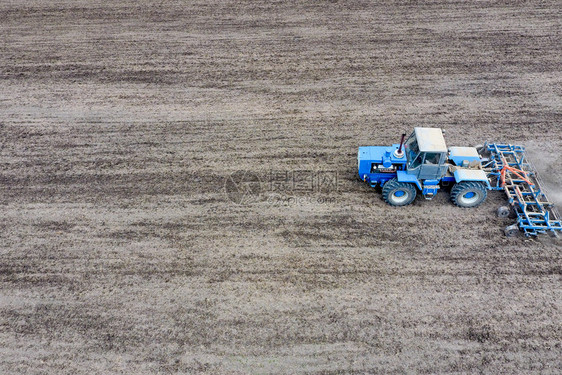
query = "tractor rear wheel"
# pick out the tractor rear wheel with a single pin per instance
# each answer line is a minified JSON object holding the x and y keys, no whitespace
{"x":468,"y":194}
{"x":398,"y":193}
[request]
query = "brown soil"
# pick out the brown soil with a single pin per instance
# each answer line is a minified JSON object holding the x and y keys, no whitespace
{"x":122,"y":251}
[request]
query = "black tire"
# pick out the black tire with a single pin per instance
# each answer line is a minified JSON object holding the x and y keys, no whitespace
{"x":468,"y":194}
{"x":398,"y":193}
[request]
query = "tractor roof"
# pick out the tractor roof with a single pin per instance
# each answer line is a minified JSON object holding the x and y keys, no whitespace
{"x":430,"y":140}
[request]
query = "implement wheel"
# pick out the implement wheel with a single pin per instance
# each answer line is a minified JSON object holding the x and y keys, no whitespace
{"x":503,"y":211}
{"x":468,"y":194}
{"x":398,"y":193}
{"x":511,"y":230}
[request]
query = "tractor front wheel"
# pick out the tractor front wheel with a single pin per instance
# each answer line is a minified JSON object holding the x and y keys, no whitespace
{"x":468,"y":194}
{"x":398,"y":193}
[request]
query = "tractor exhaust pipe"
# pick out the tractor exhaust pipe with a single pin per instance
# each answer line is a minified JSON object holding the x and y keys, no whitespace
{"x":399,"y":153}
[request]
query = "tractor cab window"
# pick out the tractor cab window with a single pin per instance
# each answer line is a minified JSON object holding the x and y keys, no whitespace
{"x":416,"y":162}
{"x":412,"y":148}
{"x":432,"y":158}
{"x":413,"y":152}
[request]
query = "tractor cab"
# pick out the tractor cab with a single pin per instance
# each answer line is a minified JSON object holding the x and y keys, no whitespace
{"x":426,"y":154}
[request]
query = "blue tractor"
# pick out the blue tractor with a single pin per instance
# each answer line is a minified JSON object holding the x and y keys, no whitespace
{"x":423,"y":163}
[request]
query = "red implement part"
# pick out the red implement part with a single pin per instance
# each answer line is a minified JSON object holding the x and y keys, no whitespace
{"x":518,"y":172}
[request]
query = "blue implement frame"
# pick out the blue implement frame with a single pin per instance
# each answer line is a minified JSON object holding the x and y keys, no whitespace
{"x":509,"y":169}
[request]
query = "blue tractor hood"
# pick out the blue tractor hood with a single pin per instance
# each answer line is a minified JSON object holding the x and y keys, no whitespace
{"x":384,"y":155}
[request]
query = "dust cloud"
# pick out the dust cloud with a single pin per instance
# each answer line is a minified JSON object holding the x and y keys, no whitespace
{"x":548,"y":164}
